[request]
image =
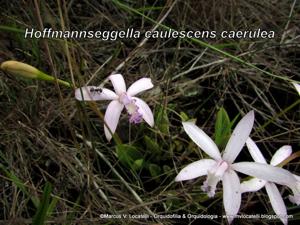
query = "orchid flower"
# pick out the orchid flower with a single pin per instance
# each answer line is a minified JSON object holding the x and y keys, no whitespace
{"x":269,"y":173}
{"x":255,"y":184}
{"x":219,"y":167}
{"x":136,"y":107}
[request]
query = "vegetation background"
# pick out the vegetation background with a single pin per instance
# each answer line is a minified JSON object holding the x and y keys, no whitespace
{"x":56,"y":166}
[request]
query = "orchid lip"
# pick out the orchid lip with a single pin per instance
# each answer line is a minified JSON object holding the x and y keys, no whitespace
{"x":136,"y":118}
{"x":213,"y":177}
{"x":132,"y":108}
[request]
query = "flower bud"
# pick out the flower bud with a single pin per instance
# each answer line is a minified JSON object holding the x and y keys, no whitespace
{"x":20,"y":69}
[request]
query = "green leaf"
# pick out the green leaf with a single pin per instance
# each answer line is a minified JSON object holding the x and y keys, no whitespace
{"x":44,"y":207}
{"x":128,"y":154}
{"x":177,"y":146}
{"x":138,"y":164}
{"x":154,"y":170}
{"x":162,"y":120}
{"x":152,"y":146}
{"x":222,"y":128}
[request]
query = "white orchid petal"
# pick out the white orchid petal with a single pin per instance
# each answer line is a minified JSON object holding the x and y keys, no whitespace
{"x":277,"y":202}
{"x":140,"y":85}
{"x":297,"y":177}
{"x":93,"y":93}
{"x":145,"y":111}
{"x":231,"y":194}
{"x":84,"y":94}
{"x":252,"y":185}
{"x":281,"y":154}
{"x":111,"y":117}
{"x":118,"y":82}
{"x":202,"y":140}
{"x":297,"y":86}
{"x":266,"y":172}
{"x":108,"y":95}
{"x":239,"y":137}
{"x":255,"y":152}
{"x":195,"y":169}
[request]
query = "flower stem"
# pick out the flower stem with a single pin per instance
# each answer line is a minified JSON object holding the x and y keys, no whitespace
{"x":46,"y":77}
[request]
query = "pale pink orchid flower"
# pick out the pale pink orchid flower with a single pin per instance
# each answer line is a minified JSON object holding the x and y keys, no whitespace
{"x":255,"y":184}
{"x":271,"y":174}
{"x":136,"y":108}
{"x":220,"y":166}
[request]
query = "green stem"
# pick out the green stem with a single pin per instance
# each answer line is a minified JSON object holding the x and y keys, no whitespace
{"x":11,"y":29}
{"x":46,"y":77}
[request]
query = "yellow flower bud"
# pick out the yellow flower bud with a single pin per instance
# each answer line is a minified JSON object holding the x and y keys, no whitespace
{"x":20,"y":69}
